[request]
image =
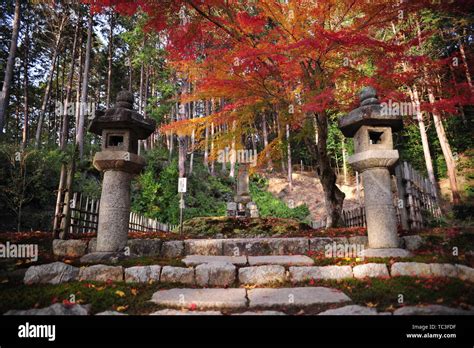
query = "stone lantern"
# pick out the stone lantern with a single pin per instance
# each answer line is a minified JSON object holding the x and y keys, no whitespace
{"x":121,"y":128}
{"x":374,"y":157}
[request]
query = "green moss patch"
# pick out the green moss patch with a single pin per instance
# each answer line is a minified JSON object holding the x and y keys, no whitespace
{"x":128,"y":298}
{"x":208,"y":227}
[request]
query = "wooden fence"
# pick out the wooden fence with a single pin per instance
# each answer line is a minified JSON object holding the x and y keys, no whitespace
{"x":351,"y":218}
{"x":84,"y":214}
{"x":354,"y":217}
{"x":85,"y":217}
{"x":417,"y":197}
{"x":415,"y":202}
{"x":141,"y":223}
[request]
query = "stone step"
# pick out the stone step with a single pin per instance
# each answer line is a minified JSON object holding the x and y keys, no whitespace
{"x":260,"y":313}
{"x":254,"y":299}
{"x":191,"y":312}
{"x":184,"y":312}
{"x":351,"y":310}
{"x":270,"y":298}
{"x":284,"y":260}
{"x":54,"y":309}
{"x":194,"y":260}
{"x":201,"y":299}
{"x":432,"y":310}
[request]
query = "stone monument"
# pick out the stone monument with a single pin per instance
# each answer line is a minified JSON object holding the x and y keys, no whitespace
{"x":243,"y":195}
{"x":374,"y":157}
{"x":121,"y":128}
{"x":242,"y":205}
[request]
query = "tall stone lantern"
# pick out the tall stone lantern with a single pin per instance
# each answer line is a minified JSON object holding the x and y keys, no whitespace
{"x":121,"y":128}
{"x":374,"y":157}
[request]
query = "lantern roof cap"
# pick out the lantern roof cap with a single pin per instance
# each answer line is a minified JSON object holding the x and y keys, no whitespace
{"x":369,"y":113}
{"x":122,"y":116}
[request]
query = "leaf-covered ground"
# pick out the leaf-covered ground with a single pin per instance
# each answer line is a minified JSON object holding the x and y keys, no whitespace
{"x":383,"y":294}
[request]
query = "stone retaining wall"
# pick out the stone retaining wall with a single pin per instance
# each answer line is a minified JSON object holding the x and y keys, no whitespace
{"x":225,"y":247}
{"x":226,"y":274}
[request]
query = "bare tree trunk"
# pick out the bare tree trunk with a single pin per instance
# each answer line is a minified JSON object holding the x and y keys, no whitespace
{"x":85,"y":83}
{"x":206,"y":147}
{"x":443,"y":140}
{"x":461,"y":108}
{"x":191,"y":157}
{"x":283,"y":167}
{"x":140,"y":92}
{"x":464,"y":61}
{"x":212,"y":109}
{"x":78,"y":86}
{"x":182,"y":156}
{"x":223,"y":129}
{"x":26,"y":107}
{"x":66,"y":220}
{"x":446,"y":149}
{"x":5,"y":94}
{"x":109,"y":70}
{"x":145,"y":91}
{"x":171,"y":143}
{"x":206,"y":137}
{"x":288,"y":150}
{"x":344,"y":159}
{"x":173,"y":114}
{"x":65,"y":116}
{"x":424,"y":137}
{"x":265,"y":142}
{"x":254,"y":135}
{"x":234,"y":153}
{"x":64,"y":139}
{"x":212,"y":149}
{"x":145,"y":102}
{"x":47,"y":92}
{"x":334,"y":197}
{"x":182,"y":146}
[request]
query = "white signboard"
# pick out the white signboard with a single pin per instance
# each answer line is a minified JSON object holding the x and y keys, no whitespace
{"x":182,"y":185}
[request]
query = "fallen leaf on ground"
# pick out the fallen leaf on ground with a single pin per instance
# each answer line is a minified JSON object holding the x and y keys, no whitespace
{"x":122,"y":308}
{"x":120,"y":293}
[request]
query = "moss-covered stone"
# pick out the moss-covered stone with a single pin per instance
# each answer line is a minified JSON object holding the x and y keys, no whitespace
{"x":212,"y":227}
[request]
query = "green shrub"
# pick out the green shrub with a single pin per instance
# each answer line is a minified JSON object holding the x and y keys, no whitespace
{"x":268,"y":205}
{"x":155,"y":191}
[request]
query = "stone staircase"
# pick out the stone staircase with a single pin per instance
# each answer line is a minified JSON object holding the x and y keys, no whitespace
{"x":235,"y":300}
{"x":215,"y":275}
{"x":255,"y":276}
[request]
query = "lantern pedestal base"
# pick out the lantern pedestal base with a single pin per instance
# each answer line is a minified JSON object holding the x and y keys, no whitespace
{"x":385,"y":252}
